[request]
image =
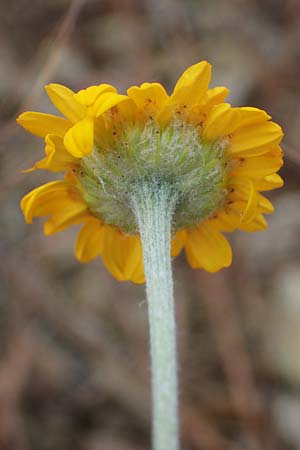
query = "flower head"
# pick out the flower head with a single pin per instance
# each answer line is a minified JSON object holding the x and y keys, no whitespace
{"x":215,"y":158}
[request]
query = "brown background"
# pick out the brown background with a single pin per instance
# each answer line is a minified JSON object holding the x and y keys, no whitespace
{"x":74,"y":369}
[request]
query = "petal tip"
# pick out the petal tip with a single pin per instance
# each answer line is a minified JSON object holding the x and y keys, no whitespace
{"x":21,"y":119}
{"x":50,"y":86}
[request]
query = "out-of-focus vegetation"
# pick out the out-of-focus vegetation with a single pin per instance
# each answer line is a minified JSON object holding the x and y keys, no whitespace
{"x":74,"y":369}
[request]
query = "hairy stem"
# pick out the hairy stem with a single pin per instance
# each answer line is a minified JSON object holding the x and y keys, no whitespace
{"x":154,"y":204}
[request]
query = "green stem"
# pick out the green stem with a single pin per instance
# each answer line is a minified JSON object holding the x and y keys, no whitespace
{"x":154,"y":205}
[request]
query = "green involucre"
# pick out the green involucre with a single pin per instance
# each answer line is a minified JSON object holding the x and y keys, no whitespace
{"x":195,"y":170}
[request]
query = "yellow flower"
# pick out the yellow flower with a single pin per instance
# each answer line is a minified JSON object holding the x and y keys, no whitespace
{"x":218,"y":158}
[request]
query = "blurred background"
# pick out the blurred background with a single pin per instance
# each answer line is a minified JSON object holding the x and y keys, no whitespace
{"x":74,"y":368}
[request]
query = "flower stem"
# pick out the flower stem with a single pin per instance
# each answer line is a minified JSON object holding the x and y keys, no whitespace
{"x":154,"y":205}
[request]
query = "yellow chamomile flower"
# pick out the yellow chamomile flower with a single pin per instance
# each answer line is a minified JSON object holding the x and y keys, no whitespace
{"x":218,"y":159}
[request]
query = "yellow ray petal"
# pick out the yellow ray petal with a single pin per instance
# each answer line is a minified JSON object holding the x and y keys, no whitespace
{"x":193,"y":84}
{"x":122,"y":255}
{"x":57,"y":158}
{"x":197,"y":114}
{"x":229,"y":217}
{"x":29,"y":199}
{"x":178,"y":242}
{"x":89,"y":243}
{"x":223,"y":120}
{"x":149,"y":97}
{"x":244,"y":192}
{"x":126,"y":111}
{"x":255,"y":137}
{"x":66,"y":216}
{"x":219,"y":121}
{"x":190,"y":90}
{"x":42,"y":124}
{"x":248,"y":115}
{"x":103,"y":135}
{"x":87,"y":97}
{"x":79,"y":140}
{"x":264,"y":205}
{"x":215,"y":95}
{"x":44,"y":204}
{"x":269,"y":182}
{"x":208,"y":249}
{"x":252,"y":203}
{"x":258,"y":166}
{"x":107,"y":101}
{"x":64,"y":100}
{"x":258,"y":224}
{"x":49,"y":198}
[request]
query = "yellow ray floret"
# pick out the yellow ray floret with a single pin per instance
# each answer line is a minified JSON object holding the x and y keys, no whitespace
{"x":208,"y":249}
{"x":57,"y":157}
{"x":42,"y":124}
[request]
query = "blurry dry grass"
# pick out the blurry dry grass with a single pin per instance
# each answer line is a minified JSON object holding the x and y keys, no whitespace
{"x":74,"y":370}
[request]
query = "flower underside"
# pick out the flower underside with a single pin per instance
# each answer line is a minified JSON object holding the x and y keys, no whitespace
{"x":214,"y":159}
{"x":194,"y":169}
